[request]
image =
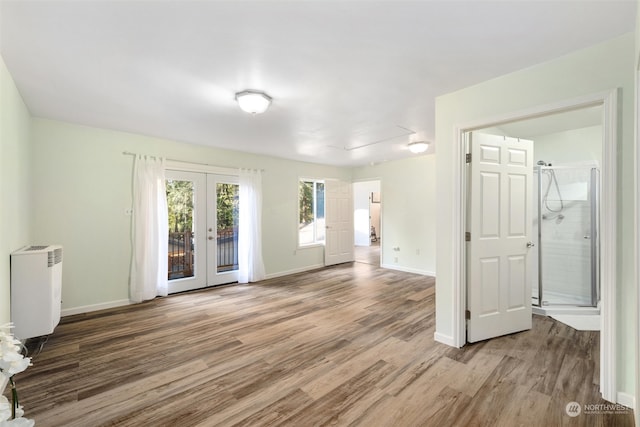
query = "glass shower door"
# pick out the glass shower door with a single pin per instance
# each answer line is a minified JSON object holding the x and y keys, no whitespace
{"x":568,"y":236}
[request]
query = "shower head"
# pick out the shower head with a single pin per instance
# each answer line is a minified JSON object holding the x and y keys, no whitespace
{"x":542,"y":163}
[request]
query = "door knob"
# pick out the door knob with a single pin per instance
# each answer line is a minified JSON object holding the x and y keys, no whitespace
{"x":530,"y":244}
{"x":210,"y":237}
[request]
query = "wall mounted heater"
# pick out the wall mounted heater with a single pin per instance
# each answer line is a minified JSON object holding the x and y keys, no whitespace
{"x":36,"y":290}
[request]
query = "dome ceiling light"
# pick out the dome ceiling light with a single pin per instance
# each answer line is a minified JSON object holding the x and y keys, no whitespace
{"x":253,"y":101}
{"x":418,"y":147}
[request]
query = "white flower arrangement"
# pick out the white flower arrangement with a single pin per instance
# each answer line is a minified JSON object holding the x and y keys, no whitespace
{"x":12,"y":362}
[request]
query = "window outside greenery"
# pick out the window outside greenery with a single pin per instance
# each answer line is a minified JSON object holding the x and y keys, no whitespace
{"x":180,"y":204}
{"x":227,"y":201}
{"x":311,"y":224}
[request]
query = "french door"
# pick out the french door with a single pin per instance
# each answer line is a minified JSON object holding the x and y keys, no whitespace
{"x":203,"y":230}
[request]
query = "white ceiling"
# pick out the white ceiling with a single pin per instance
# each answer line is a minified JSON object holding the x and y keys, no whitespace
{"x":350,"y":80}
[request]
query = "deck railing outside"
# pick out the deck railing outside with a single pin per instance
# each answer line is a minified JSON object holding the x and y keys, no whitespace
{"x":227,"y":249}
{"x":181,"y":253}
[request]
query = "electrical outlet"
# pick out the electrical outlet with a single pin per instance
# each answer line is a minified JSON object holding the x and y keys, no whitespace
{"x":417,"y":251}
{"x":395,"y":259}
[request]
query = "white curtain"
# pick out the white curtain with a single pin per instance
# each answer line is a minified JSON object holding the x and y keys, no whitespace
{"x":250,"y":264}
{"x":150,"y":230}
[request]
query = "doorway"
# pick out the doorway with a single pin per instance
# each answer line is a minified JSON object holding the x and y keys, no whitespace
{"x":367,"y":205}
{"x":203,"y":230}
{"x":607,"y":207}
{"x":563,"y":259}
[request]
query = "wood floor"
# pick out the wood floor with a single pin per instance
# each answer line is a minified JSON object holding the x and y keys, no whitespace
{"x":347,"y":345}
{"x":368,"y":254}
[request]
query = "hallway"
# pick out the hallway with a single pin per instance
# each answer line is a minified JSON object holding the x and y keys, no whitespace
{"x":368,"y":254}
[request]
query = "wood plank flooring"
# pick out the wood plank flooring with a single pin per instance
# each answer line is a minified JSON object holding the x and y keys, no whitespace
{"x":368,"y":254}
{"x":349,"y":345}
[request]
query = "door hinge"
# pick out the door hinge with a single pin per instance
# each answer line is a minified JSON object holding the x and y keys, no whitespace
{"x":468,"y":157}
{"x":467,"y":236}
{"x":467,"y":314}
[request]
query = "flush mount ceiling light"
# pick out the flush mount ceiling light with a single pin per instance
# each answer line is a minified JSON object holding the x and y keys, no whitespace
{"x":253,"y":101}
{"x":418,"y":147}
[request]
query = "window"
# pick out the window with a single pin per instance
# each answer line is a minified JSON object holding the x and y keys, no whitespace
{"x":310,"y":212}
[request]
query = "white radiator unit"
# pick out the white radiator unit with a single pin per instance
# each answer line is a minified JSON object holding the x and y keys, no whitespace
{"x":36,"y":290}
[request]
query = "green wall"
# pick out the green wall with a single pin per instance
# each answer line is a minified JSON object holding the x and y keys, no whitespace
{"x":599,"y":68}
{"x":15,"y":181}
{"x":82,"y":187}
{"x":408,"y":213}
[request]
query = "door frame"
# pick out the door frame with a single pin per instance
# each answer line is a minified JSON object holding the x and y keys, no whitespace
{"x":379,"y":186}
{"x":608,"y":222}
{"x":205,"y":170}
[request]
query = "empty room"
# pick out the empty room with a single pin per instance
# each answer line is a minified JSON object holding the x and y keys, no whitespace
{"x":352,"y":213}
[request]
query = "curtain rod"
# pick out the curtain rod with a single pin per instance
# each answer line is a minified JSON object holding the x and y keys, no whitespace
{"x":129,"y":153}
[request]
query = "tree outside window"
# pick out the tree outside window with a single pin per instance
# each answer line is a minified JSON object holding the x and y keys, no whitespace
{"x":311,"y":224}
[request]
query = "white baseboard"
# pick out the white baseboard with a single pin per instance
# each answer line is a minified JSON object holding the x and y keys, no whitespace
{"x":94,"y":307}
{"x":444,"y":339}
{"x":409,"y":270}
{"x":294,"y":271}
{"x":626,"y":399}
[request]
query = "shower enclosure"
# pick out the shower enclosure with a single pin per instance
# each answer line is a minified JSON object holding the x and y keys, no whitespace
{"x":565,"y":233}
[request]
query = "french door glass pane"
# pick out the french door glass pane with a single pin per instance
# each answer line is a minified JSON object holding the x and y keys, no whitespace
{"x":181,"y":248}
{"x":227,"y":226}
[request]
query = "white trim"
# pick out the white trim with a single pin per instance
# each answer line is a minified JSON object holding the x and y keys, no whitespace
{"x":94,"y":307}
{"x":608,"y":100}
{"x":444,"y":339}
{"x":608,"y":257}
{"x":409,"y":270}
{"x":294,"y":271}
{"x":459,"y":228}
{"x":627,"y":400}
{"x":636,"y":244}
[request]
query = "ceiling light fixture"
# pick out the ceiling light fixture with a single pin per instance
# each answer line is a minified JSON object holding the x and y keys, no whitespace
{"x":253,"y":101}
{"x":418,"y":147}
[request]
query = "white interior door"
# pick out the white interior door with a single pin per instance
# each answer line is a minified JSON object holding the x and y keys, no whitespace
{"x":500,"y":220}
{"x":339,"y":222}
{"x":203,"y":232}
